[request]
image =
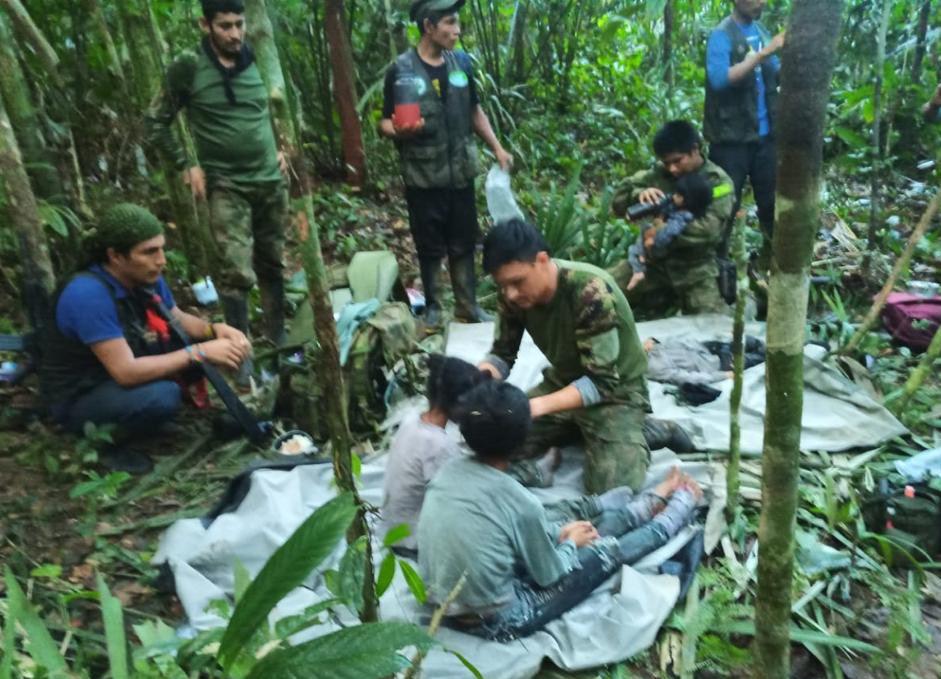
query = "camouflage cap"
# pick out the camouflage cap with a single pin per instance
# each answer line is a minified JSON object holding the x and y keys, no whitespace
{"x":123,"y":226}
{"x":422,"y":8}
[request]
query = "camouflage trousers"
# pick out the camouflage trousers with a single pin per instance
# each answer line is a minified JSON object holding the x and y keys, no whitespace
{"x":248,"y":224}
{"x":612,"y":434}
{"x":690,"y":290}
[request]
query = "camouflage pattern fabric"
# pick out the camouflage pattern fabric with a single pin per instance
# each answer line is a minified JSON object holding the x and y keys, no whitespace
{"x":686,"y":277}
{"x":586,"y":330}
{"x":248,"y":225}
{"x":616,"y":453}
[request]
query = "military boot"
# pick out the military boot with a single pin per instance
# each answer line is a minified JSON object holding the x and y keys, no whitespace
{"x":430,"y":268}
{"x":666,"y":434}
{"x":272,"y":309}
{"x":464,"y":283}
{"x":235,"y":309}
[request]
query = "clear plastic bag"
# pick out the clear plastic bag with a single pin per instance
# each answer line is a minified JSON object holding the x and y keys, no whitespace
{"x":500,"y":201}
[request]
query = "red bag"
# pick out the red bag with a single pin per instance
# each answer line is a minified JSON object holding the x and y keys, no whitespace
{"x":912,"y":320}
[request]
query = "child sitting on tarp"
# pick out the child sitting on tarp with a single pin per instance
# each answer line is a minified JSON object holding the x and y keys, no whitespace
{"x":692,"y":198}
{"x":521,"y":571}
{"x":421,"y":445}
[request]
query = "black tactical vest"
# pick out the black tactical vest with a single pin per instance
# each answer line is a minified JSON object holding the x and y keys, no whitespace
{"x":731,"y":115}
{"x":444,"y":154}
{"x":69,"y":368}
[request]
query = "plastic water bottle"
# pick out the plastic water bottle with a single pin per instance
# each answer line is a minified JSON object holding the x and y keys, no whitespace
{"x":500,"y":201}
{"x":405,"y":96}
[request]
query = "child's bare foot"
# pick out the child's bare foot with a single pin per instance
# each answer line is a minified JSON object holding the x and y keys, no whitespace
{"x":692,"y":486}
{"x":673,"y":481}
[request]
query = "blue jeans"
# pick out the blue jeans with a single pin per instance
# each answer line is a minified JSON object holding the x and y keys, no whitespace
{"x":135,"y":410}
{"x":533,"y":607}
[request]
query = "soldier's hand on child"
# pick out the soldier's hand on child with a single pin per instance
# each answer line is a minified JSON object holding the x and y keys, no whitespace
{"x":195,"y":178}
{"x":582,"y":533}
{"x":636,"y":280}
{"x":409,"y":129}
{"x":651,"y":196}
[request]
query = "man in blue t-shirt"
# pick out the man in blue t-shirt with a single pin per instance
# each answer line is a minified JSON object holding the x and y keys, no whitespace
{"x":932,"y":110}
{"x":109,"y":357}
{"x":741,"y":89}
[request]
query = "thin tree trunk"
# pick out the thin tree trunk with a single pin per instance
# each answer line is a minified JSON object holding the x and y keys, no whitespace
{"x":93,"y":7}
{"x":25,"y":120}
{"x":733,"y":480}
{"x":28,"y":30}
{"x":921,"y":40}
{"x":328,"y":372}
{"x":900,"y":265}
{"x":22,"y":213}
{"x":808,"y":61}
{"x":519,"y":43}
{"x":344,"y":92}
{"x":144,"y":47}
{"x":875,"y":194}
{"x":918,"y":376}
{"x":390,"y":27}
{"x":667,"y":53}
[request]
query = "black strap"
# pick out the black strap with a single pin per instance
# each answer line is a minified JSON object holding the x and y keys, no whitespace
{"x":233,"y":403}
{"x":245,"y":59}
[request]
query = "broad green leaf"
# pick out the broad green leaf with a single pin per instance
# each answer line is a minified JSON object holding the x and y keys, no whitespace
{"x":47,"y":570}
{"x":386,"y":574}
{"x":414,"y":581}
{"x":242,"y":580}
{"x":362,"y":652}
{"x":42,"y":648}
{"x":114,"y":631}
{"x":397,"y":534}
{"x":292,"y":624}
{"x":287,"y":568}
{"x":350,"y":575}
{"x":9,"y":638}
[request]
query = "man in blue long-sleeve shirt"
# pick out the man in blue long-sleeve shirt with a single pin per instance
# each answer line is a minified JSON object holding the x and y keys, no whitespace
{"x":741,"y":91}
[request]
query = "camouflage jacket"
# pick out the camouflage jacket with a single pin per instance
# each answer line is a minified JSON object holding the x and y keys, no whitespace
{"x":700,"y":238}
{"x":586,"y":331}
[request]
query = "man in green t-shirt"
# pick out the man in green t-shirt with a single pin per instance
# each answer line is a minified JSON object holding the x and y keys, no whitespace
{"x":594,"y":390}
{"x":239,"y":169}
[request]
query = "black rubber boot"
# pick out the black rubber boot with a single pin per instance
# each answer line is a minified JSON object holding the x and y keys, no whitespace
{"x":666,"y":434}
{"x":430,"y":269}
{"x":464,"y":284}
{"x":272,"y":308}
{"x":235,"y":309}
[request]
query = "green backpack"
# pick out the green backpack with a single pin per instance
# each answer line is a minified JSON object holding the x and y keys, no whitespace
{"x":908,"y":514}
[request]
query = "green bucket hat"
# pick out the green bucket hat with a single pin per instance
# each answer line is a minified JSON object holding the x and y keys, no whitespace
{"x":123,"y":226}
{"x":422,"y":8}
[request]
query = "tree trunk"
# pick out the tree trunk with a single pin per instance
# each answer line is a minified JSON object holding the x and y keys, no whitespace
{"x":23,"y":214}
{"x":733,"y":481}
{"x":28,"y":30}
{"x":25,"y":120}
{"x":667,"y":54}
{"x":921,"y":40}
{"x":518,"y":67}
{"x":918,"y":376}
{"x":148,"y":72}
{"x":808,"y":61}
{"x":93,"y":7}
{"x":328,"y":372}
{"x":344,"y":92}
{"x":875,"y":194}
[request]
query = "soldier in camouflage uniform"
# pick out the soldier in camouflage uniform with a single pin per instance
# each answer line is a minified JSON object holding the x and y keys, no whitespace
{"x":240,"y":170}
{"x":594,"y":391}
{"x":686,"y":277}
